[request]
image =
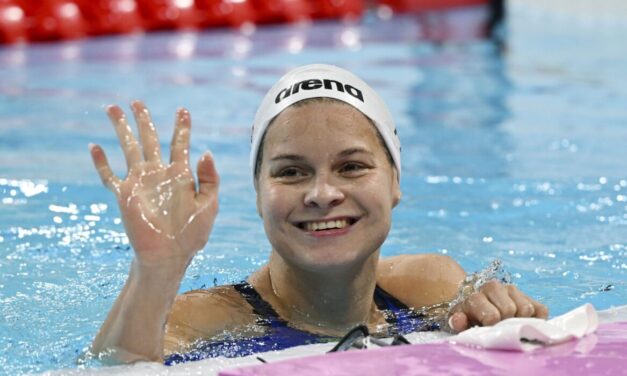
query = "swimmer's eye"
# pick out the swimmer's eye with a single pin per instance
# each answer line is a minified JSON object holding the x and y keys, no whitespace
{"x":352,"y":168}
{"x":290,"y":172}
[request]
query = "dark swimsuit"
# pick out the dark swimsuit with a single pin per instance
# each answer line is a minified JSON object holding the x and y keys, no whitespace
{"x":280,"y":335}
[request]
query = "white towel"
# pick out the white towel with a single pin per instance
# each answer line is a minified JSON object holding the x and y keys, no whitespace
{"x":525,"y":334}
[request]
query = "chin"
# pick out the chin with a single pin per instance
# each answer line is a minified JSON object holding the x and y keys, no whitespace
{"x":334,"y":262}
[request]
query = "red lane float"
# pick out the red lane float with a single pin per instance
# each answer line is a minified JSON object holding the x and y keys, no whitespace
{"x":280,"y":11}
{"x":344,"y":9}
{"x":112,"y":16}
{"x":55,"y":19}
{"x":218,"y":13}
{"x":13,"y":23}
{"x":424,"y":5}
{"x":48,"y":20}
{"x":169,"y":14}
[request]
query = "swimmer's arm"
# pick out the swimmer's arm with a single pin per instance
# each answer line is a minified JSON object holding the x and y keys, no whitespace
{"x":426,"y":280}
{"x":420,"y":280}
{"x":202,"y":315}
{"x":98,"y":343}
{"x":165,"y":233}
{"x":134,"y":328}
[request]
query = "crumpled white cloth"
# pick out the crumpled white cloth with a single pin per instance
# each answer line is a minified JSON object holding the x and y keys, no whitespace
{"x":525,"y":334}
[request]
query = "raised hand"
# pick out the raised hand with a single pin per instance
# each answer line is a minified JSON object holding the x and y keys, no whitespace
{"x":492,"y":303}
{"x":167,"y":218}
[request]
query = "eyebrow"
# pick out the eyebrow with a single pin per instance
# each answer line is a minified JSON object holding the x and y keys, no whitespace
{"x":291,"y":157}
{"x":343,"y":153}
{"x":351,"y":151}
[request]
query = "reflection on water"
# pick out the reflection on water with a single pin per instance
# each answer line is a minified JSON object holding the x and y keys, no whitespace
{"x":456,"y":113}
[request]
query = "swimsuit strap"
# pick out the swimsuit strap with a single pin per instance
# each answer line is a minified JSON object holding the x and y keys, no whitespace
{"x":389,"y":305}
{"x":402,"y":319}
{"x":266,"y":315}
{"x":281,"y":336}
{"x":385,"y":301}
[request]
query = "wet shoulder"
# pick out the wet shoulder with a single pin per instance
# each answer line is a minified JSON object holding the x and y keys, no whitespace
{"x":420,"y":280}
{"x":205,"y":314}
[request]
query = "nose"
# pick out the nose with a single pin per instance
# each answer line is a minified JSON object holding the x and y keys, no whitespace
{"x":323,"y":193}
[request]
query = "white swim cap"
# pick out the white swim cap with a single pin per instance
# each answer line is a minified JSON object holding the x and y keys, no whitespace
{"x":321,"y":80}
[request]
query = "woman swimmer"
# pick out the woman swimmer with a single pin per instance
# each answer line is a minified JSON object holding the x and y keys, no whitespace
{"x":326,"y":166}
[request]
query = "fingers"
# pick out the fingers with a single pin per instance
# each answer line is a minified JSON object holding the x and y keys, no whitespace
{"x":129,"y":144}
{"x":500,"y":297}
{"x":147,"y":132}
{"x":179,"y":149}
{"x":542,"y":311}
{"x":458,"y":322}
{"x":208,"y":178}
{"x":148,"y":135}
{"x":493,"y":303}
{"x":110,"y":181}
{"x":525,"y":306}
{"x":480,"y":310}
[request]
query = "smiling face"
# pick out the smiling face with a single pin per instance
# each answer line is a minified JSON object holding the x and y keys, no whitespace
{"x":326,"y":187}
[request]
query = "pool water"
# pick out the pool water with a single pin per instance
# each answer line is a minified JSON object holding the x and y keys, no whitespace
{"x":513,"y":152}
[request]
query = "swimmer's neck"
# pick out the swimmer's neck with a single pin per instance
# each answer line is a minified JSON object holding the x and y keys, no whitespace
{"x":328,"y":303}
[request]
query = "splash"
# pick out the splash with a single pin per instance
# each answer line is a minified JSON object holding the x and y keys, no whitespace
{"x":438,"y":314}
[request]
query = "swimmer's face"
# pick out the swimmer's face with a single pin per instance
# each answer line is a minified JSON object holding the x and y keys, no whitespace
{"x":326,"y":187}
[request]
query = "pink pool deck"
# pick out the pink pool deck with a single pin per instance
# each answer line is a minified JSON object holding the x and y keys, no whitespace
{"x":601,"y":353}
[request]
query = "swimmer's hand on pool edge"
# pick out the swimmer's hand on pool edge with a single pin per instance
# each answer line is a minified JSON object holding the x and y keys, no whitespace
{"x":167,"y":221}
{"x":494,"y":302}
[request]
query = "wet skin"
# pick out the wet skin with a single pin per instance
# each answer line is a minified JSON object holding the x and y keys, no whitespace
{"x":325,"y":193}
{"x":324,"y":162}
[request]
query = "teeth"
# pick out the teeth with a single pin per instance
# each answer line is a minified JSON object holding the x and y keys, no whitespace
{"x":315,"y":226}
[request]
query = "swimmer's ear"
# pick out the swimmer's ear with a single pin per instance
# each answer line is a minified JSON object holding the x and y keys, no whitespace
{"x":397,"y":197}
{"x":259,"y":204}
{"x":256,"y":184}
{"x":396,"y":189}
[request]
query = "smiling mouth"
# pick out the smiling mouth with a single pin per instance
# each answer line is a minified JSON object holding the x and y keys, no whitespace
{"x":333,"y":224}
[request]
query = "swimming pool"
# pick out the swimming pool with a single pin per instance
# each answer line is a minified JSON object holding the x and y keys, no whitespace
{"x":515,"y":154}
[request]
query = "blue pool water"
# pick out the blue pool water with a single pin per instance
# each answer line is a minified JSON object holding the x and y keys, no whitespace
{"x":516,"y":153}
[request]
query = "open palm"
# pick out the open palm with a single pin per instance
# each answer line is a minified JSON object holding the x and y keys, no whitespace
{"x":167,"y":219}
